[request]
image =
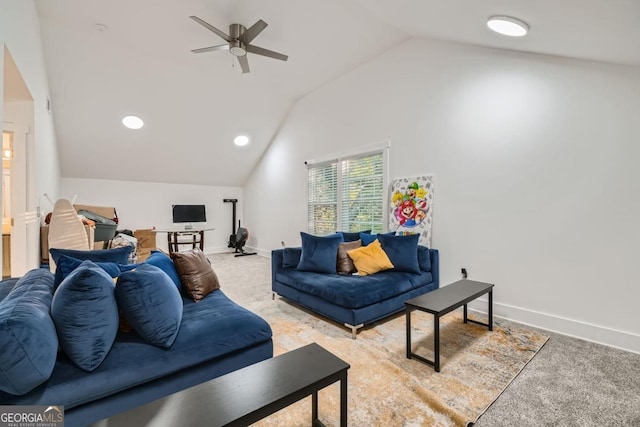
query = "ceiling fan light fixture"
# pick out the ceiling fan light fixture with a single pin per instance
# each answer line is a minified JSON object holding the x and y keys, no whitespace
{"x":132,"y":122}
{"x":508,"y":26}
{"x":241,"y":140}
{"x":237,"y":48}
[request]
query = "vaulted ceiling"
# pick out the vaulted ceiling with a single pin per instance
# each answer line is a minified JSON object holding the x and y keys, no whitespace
{"x":109,"y":59}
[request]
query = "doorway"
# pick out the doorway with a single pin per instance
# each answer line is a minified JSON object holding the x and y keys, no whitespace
{"x":20,"y":228}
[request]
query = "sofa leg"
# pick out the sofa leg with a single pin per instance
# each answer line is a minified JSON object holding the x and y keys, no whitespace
{"x":354,"y":329}
{"x":273,"y":296}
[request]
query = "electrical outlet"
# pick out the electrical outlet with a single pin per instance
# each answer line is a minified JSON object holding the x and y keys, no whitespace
{"x":464,"y":272}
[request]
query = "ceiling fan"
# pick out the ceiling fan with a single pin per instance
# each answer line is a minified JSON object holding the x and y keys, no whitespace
{"x":239,"y":39}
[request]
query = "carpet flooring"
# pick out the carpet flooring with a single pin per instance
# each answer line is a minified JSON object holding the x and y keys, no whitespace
{"x":557,"y":387}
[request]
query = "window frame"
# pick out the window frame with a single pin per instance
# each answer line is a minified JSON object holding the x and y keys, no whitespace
{"x":338,"y":159}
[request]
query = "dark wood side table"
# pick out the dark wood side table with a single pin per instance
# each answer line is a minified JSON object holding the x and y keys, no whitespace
{"x":442,"y":301}
{"x":247,"y":395}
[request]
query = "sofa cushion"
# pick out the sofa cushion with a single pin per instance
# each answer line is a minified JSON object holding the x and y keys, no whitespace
{"x":6,"y":286}
{"x":151,"y":303}
{"x":117,"y":255}
{"x":424,"y":258}
{"x":402,"y":251}
{"x":211,"y":328}
{"x":164,"y":263}
{"x":352,"y":236}
{"x":291,"y":257}
{"x":345,"y":263}
{"x":370,"y":259}
{"x":28,"y":340}
{"x":353,"y":291}
{"x":368,"y":238}
{"x":197,"y":277}
{"x":85,"y":313}
{"x":319,"y":253}
{"x":65,"y":265}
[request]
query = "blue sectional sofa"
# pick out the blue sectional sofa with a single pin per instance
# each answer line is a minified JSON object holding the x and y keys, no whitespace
{"x":353,"y":301}
{"x":216,"y":336}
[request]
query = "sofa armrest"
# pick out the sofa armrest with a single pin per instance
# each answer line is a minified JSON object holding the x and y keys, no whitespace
{"x":435,"y":266}
{"x":276,"y":264}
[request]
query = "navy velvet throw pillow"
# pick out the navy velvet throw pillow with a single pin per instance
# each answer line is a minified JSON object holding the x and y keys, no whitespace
{"x":151,"y":303}
{"x":117,"y":255}
{"x":402,"y":251}
{"x":85,"y":313}
{"x":65,"y":265}
{"x":164,"y":263}
{"x":368,"y":238}
{"x":291,"y":257}
{"x":424,"y":258}
{"x":319,"y":253}
{"x":28,"y":340}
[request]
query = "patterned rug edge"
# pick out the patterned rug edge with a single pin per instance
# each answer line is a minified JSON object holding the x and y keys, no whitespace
{"x":471,"y":423}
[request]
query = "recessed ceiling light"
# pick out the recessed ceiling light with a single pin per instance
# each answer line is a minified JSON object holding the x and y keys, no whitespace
{"x":508,"y":26}
{"x":133,"y":122}
{"x":241,"y":140}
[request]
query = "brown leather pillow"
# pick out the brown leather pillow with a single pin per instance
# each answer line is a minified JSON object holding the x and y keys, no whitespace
{"x":344,"y":264}
{"x":196,"y":274}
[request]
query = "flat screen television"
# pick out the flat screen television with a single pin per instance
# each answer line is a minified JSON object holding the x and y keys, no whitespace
{"x":189,"y":213}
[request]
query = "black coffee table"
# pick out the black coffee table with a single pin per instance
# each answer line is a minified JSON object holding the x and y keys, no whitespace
{"x":249,"y":394}
{"x":442,"y":301}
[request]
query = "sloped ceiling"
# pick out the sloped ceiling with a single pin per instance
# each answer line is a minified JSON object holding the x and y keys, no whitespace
{"x":194,"y":105}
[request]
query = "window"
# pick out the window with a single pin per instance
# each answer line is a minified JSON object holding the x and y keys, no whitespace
{"x":347,"y":194}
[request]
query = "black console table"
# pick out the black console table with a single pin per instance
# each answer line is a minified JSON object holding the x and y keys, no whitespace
{"x":247,"y":395}
{"x":442,"y":301}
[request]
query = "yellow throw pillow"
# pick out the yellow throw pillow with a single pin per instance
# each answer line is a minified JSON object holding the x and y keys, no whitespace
{"x":370,"y":259}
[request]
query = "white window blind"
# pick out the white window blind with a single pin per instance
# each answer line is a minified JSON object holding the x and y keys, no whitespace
{"x":322,"y":213}
{"x":362,"y":193}
{"x":347,"y":194}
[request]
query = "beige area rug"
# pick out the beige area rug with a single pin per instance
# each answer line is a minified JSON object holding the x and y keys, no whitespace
{"x":384,"y":387}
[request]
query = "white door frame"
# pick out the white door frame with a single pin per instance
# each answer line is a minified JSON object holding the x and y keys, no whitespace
{"x":24,"y":230}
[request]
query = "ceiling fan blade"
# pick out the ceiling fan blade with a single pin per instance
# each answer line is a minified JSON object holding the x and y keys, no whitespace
{"x":266,"y":52}
{"x":244,"y":63}
{"x":211,"y":48}
{"x":253,"y":31}
{"x":211,"y":27}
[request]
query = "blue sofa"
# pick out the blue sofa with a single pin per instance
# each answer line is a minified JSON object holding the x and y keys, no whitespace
{"x":353,"y":301}
{"x":216,"y":336}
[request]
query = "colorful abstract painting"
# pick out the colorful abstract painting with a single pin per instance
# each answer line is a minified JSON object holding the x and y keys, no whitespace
{"x":411,"y":207}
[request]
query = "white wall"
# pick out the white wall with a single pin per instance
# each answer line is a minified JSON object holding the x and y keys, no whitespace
{"x":20,"y":33}
{"x":142,"y":205}
{"x":535,"y":180}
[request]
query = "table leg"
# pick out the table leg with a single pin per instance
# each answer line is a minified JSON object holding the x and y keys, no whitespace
{"x":314,"y":408}
{"x":465,"y":314}
{"x":408,"y":323}
{"x":343,"y":400}
{"x":202,"y":241}
{"x":436,"y":342}
{"x":491,"y":310}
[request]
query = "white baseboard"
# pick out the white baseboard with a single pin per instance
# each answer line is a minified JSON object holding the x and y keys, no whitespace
{"x":261,"y":252}
{"x":226,"y":250}
{"x":217,"y":250}
{"x":623,"y":340}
